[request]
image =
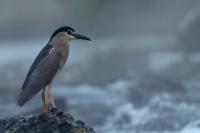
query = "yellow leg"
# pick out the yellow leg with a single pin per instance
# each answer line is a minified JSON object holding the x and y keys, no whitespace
{"x":44,"y":106}
{"x":50,"y":96}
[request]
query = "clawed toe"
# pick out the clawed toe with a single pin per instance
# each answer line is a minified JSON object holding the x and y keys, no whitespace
{"x":53,"y":109}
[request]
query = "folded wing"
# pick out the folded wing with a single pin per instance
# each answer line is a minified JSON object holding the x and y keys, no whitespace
{"x":40,"y":76}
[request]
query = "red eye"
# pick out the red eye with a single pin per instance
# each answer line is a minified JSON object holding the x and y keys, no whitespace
{"x":69,"y":32}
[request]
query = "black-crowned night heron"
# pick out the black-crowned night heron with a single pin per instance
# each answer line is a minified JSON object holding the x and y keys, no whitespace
{"x":46,"y":65}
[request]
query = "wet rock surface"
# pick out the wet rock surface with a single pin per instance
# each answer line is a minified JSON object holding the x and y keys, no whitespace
{"x":51,"y":122}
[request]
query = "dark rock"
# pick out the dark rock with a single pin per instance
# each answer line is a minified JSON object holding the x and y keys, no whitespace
{"x":51,"y":122}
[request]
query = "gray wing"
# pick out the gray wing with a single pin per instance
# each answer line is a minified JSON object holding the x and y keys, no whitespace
{"x":43,"y":53}
{"x":40,"y":77}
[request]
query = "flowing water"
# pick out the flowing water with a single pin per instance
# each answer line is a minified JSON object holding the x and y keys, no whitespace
{"x":131,"y":85}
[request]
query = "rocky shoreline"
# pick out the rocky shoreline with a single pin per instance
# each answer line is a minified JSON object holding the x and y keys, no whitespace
{"x":51,"y":122}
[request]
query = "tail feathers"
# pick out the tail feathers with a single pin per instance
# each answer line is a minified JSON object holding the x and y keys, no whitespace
{"x":24,"y":96}
{"x":20,"y":102}
{"x":21,"y":99}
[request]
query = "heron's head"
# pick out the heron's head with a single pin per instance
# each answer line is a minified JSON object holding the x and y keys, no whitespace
{"x":69,"y":34}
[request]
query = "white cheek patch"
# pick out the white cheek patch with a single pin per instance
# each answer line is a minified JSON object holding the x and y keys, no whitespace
{"x":72,"y":37}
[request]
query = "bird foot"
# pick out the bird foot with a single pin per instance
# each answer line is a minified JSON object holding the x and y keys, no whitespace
{"x":53,"y":110}
{"x":44,"y":109}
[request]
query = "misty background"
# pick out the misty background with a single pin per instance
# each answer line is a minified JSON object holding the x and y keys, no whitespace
{"x":139,"y":74}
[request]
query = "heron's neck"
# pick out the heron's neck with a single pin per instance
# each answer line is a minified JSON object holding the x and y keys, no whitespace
{"x":59,"y":40}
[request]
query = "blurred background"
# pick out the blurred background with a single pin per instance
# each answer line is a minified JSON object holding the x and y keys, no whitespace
{"x":140,"y":74}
